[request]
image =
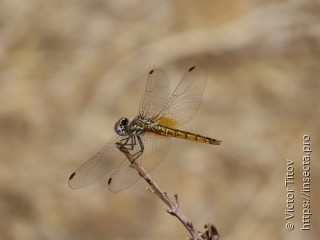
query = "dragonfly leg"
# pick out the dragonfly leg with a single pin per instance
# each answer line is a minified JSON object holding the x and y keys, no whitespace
{"x":138,"y":154}
{"x":129,"y":143}
{"x":125,"y":144}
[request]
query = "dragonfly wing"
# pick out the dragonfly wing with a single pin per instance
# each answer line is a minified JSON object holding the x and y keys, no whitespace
{"x":123,"y":177}
{"x":156,"y":94}
{"x":97,"y":166}
{"x":155,"y":149}
{"x":184,"y":102}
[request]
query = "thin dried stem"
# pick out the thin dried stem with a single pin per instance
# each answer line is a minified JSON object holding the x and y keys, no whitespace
{"x":174,"y":208}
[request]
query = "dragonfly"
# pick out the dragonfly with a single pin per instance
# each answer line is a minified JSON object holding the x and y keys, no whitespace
{"x":147,"y":137}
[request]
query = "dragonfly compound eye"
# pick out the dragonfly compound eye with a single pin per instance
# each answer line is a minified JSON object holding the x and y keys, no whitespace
{"x":121,"y":127}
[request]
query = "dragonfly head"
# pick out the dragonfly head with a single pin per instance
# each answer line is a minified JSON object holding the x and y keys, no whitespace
{"x":122,"y":127}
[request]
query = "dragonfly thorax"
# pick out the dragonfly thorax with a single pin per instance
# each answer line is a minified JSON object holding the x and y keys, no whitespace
{"x":140,"y":125}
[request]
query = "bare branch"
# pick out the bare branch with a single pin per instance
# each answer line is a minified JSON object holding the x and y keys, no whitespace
{"x":210,"y":233}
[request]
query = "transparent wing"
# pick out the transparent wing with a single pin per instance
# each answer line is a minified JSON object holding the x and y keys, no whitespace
{"x":184,"y":102}
{"x":155,"y":149}
{"x":97,"y":166}
{"x":156,"y":93}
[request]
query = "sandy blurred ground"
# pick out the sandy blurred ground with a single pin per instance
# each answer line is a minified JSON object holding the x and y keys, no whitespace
{"x":70,"y":69}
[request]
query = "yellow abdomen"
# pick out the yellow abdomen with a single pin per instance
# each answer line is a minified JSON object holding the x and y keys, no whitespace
{"x":170,"y":132}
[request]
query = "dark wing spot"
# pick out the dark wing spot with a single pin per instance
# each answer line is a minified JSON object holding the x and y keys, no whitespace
{"x":109,"y":181}
{"x":72,"y":175}
{"x":151,"y":71}
{"x":192,"y":68}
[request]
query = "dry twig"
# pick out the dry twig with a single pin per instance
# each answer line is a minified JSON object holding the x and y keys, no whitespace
{"x":210,"y":233}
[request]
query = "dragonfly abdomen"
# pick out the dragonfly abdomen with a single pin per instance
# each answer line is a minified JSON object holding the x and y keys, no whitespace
{"x":170,"y":132}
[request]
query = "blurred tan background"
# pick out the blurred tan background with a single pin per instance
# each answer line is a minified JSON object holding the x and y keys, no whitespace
{"x":70,"y":69}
